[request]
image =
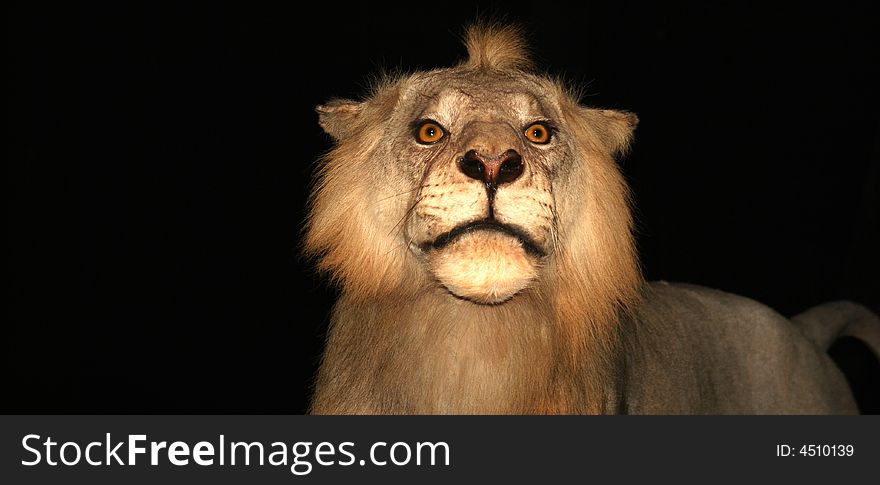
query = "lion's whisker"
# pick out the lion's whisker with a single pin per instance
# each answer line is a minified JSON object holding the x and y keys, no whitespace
{"x":405,"y":192}
{"x":406,"y":214}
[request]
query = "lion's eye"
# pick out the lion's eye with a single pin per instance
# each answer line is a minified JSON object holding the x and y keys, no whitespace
{"x":538,"y":133}
{"x":429,"y":132}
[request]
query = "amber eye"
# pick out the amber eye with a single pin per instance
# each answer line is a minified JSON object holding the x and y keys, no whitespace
{"x":429,"y":132}
{"x":538,"y":133}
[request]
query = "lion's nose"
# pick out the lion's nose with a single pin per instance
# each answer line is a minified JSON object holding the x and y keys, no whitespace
{"x":493,"y":171}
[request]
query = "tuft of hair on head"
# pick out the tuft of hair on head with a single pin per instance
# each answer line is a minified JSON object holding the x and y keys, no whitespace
{"x":497,"y":46}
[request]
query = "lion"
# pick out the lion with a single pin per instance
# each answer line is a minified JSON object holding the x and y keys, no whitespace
{"x":479,"y":230}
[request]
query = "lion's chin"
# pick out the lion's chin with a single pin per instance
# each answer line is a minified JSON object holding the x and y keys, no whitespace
{"x":485,"y":267}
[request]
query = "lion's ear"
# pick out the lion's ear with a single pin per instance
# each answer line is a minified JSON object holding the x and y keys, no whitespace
{"x":339,"y":117}
{"x":615,"y":128}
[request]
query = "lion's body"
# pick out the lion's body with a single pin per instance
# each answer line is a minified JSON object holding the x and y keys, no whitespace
{"x":693,"y":350}
{"x":480,"y":232}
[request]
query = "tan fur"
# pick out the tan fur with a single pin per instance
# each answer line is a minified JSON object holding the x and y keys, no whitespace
{"x":480,"y":325}
{"x":399,"y":342}
{"x":495,"y":46}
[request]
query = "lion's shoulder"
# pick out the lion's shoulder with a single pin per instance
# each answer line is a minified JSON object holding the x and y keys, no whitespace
{"x":689,"y":303}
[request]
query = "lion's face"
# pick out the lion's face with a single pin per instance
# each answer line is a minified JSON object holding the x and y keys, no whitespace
{"x":453,"y":177}
{"x":480,"y":156}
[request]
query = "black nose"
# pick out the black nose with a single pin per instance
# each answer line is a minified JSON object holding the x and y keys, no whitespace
{"x":493,"y":171}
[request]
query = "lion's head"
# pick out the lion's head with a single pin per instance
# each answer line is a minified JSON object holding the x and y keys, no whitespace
{"x":485,"y":179}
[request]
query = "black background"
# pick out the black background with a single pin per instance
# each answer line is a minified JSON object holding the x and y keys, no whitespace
{"x":160,"y":156}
